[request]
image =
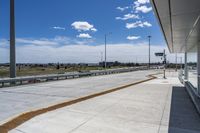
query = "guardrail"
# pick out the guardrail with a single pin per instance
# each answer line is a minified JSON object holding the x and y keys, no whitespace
{"x":6,"y":82}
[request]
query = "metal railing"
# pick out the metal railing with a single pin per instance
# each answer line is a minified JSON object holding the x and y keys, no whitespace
{"x":6,"y":82}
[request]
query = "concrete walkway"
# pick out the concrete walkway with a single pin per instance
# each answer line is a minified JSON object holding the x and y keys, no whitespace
{"x":158,"y":106}
{"x":16,"y":100}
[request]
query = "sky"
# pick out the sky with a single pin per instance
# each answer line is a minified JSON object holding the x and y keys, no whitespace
{"x":72,"y":31}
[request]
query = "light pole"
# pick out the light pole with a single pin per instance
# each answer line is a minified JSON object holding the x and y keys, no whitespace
{"x":149,"y":51}
{"x":101,"y":57}
{"x":176,"y":62}
{"x":106,"y":49}
{"x":12,"y":40}
{"x":165,"y":61}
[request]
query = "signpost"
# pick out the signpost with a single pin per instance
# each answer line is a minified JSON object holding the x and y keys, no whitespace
{"x":164,"y":61}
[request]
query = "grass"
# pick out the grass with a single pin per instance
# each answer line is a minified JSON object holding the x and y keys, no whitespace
{"x":32,"y":71}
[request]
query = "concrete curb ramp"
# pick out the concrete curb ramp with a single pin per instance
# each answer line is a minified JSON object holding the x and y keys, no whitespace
{"x":20,"y":119}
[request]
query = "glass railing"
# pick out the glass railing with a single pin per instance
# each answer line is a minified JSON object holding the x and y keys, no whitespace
{"x":192,"y":69}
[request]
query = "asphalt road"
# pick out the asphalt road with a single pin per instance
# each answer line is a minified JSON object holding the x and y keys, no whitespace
{"x":16,"y":100}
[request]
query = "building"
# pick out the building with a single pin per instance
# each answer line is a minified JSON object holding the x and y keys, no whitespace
{"x":180,"y":23}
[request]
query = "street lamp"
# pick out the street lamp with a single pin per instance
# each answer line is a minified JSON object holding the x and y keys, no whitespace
{"x":149,"y":51}
{"x":12,"y":40}
{"x":176,"y":62}
{"x":101,"y":57}
{"x":106,"y":48}
{"x":165,"y":61}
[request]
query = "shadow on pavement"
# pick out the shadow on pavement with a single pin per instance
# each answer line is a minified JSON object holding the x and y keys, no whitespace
{"x":184,"y":118}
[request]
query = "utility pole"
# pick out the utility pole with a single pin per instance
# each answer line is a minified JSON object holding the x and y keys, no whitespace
{"x":106,"y":48}
{"x":12,"y":40}
{"x":149,"y":51}
{"x":105,"y":51}
{"x":176,"y":62}
{"x":101,"y":57}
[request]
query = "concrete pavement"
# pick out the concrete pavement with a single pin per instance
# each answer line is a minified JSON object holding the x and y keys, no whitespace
{"x":16,"y":100}
{"x":157,"y":106}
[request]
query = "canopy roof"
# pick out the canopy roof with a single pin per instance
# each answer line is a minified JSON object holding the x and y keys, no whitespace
{"x":179,"y":21}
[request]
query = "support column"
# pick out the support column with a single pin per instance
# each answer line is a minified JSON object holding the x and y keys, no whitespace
{"x":12,"y":40}
{"x":186,"y":68}
{"x":198,"y":68}
{"x":105,"y":51}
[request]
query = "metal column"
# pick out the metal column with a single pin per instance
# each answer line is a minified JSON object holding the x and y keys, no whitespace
{"x":12,"y":40}
{"x":186,"y":68}
{"x":165,"y":61}
{"x":198,"y":67}
{"x":105,"y":51}
{"x":149,"y":65}
{"x":176,"y":63}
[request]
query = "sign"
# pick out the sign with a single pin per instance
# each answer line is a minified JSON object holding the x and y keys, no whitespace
{"x":159,"y":54}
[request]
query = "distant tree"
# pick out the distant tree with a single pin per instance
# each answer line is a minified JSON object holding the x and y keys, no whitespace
{"x":19,"y":67}
{"x":137,"y":64}
{"x":58,"y":66}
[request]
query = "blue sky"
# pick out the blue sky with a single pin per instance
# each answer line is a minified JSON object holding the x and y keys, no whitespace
{"x":59,"y":24}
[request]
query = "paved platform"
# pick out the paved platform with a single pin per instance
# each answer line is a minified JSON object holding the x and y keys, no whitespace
{"x":16,"y":100}
{"x":157,"y":106}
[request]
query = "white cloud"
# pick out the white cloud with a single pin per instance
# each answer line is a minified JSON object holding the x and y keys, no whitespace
{"x":94,"y":29}
{"x":122,"y":8}
{"x":133,"y":37}
{"x":60,"y":39}
{"x":139,"y":2}
{"x":84,"y":35}
{"x":142,"y":1}
{"x":53,"y":42}
{"x":83,"y":53}
{"x":83,"y":26}
{"x":4,"y":42}
{"x":128,"y":16}
{"x":40,"y":42}
{"x":58,"y":28}
{"x":138,"y":24}
{"x":77,"y":52}
{"x":147,"y":24}
{"x":143,"y":9}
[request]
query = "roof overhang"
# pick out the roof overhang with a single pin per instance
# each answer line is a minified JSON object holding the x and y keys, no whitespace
{"x":180,"y":23}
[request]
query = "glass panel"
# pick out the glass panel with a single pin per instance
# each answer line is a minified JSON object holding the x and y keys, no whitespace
{"x":192,"y":68}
